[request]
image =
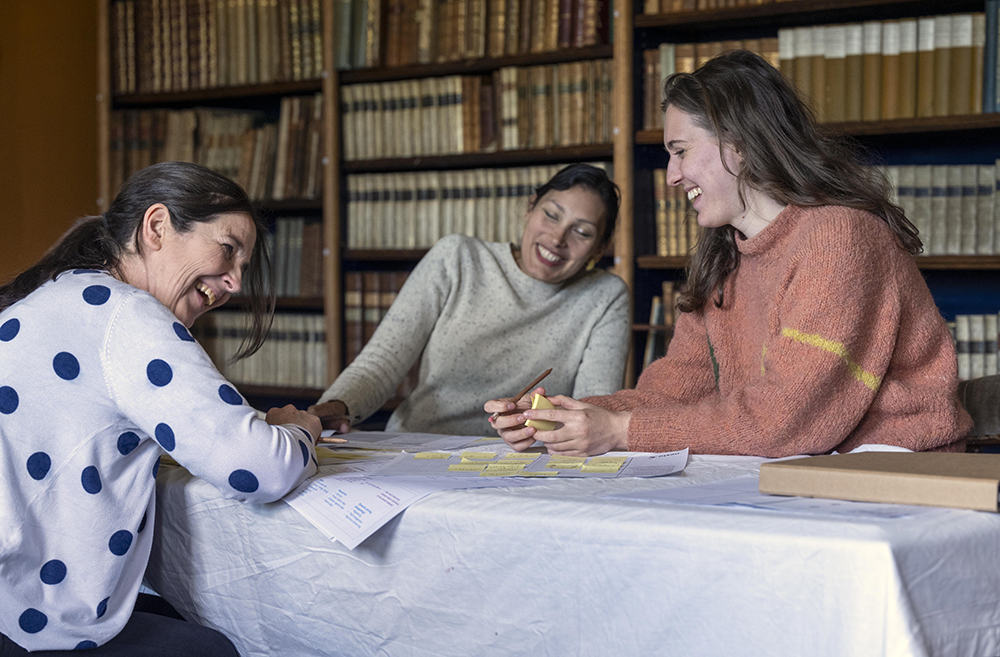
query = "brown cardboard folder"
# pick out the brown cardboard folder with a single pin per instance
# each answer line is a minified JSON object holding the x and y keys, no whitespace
{"x":962,"y":481}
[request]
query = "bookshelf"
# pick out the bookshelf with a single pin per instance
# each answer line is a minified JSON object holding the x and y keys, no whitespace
{"x":261,"y":93}
{"x":241,"y":90}
{"x":960,"y":283}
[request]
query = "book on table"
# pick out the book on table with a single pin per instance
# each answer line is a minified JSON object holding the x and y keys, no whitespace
{"x":957,"y":480}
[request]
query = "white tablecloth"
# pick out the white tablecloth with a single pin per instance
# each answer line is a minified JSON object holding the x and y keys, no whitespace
{"x":558,"y":570}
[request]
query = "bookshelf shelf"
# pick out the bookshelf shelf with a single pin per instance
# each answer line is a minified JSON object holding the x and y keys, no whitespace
{"x":938,"y":124}
{"x":256,"y":92}
{"x":797,"y":12}
{"x":287,"y":206}
{"x":470,"y":66}
{"x":281,"y":303}
{"x":381,"y":255}
{"x":951,"y":262}
{"x":478,"y":160}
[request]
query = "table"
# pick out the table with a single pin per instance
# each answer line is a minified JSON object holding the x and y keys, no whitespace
{"x":559,"y":570}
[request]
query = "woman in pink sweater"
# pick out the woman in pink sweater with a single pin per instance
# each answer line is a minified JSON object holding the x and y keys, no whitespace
{"x":805,"y":327}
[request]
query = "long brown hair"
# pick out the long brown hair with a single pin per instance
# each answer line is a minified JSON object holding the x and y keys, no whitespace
{"x":750,"y":107}
{"x":192,"y":194}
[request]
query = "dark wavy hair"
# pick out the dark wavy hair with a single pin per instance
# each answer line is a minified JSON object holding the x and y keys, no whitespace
{"x":596,"y":180}
{"x":192,"y":194}
{"x":750,"y":107}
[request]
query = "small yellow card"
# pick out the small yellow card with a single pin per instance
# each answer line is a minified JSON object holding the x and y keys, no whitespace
{"x":608,"y":468}
{"x":432,"y":455}
{"x":466,"y":467}
{"x":479,"y":456}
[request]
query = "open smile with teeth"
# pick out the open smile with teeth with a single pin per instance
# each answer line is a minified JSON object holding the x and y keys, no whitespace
{"x":547,"y":255}
{"x":694,"y":193}
{"x":207,"y":292}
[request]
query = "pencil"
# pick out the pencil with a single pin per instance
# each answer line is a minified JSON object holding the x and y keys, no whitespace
{"x":523,"y":391}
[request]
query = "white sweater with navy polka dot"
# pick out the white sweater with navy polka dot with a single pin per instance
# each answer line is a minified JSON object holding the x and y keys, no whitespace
{"x":97,"y":380}
{"x":483,"y":329}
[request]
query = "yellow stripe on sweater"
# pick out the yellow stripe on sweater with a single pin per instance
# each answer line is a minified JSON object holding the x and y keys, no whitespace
{"x":838,"y":349}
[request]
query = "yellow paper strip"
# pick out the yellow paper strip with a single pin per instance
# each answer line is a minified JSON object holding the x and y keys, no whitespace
{"x":479,"y":456}
{"x":618,"y":461}
{"x":536,"y":474}
{"x":600,"y":468}
{"x":567,"y":459}
{"x":563,"y":465}
{"x":519,"y":456}
{"x":432,"y":455}
{"x":470,"y":467}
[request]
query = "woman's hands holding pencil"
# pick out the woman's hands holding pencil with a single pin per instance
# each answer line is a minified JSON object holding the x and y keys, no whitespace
{"x":581,"y":429}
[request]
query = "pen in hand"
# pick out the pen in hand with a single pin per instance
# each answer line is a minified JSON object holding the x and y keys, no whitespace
{"x":523,"y":392}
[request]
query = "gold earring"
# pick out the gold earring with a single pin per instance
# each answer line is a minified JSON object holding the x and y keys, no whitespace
{"x":591,"y":263}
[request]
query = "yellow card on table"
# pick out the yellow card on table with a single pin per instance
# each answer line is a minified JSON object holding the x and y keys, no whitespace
{"x":540,"y":402}
{"x":563,"y":465}
{"x":567,"y":459}
{"x":466,"y":467}
{"x":432,"y":455}
{"x":537,"y":474}
{"x":479,"y":456}
{"x":519,"y":456}
{"x":607,"y":468}
{"x":502,"y":469}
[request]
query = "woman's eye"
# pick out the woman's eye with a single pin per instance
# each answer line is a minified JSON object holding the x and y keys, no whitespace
{"x":551,"y":216}
{"x":230,"y":251}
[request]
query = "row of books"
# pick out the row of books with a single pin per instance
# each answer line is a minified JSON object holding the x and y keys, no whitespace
{"x":177,"y":45}
{"x":954,"y":207}
{"x":913,"y":67}
{"x":272,"y":160}
{"x":677,"y":227}
{"x":297,"y":257}
{"x":976,"y":345}
{"x":405,"y":32}
{"x":293,"y":355}
{"x":561,"y":105}
{"x":413,"y":210}
{"x":367,"y":298}
{"x":670,"y":58}
{"x":653,"y":7}
{"x":537,"y":107}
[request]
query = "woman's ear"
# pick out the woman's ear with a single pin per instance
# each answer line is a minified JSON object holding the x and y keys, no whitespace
{"x":155,"y":224}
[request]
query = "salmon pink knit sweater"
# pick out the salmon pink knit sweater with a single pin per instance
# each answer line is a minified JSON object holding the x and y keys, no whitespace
{"x":827,"y":339}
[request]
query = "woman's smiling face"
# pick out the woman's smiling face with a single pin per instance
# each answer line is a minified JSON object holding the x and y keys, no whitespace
{"x":696,"y":165}
{"x":193,"y":272}
{"x":562,"y":231}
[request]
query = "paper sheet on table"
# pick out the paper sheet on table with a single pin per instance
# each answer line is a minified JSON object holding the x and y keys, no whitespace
{"x":482,"y":462}
{"x":743,"y":492}
{"x":351,"y":507}
{"x":410,"y":441}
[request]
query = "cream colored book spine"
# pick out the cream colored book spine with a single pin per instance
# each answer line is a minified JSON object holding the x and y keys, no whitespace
{"x":872,"y":71}
{"x":854,"y":72}
{"x":907,"y":68}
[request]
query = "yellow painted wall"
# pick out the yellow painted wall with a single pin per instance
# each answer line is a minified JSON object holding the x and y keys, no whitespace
{"x":48,"y":124}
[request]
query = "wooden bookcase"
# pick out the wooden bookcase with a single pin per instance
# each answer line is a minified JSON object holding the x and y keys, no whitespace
{"x":253,"y":96}
{"x":333,"y":205}
{"x":936,"y":140}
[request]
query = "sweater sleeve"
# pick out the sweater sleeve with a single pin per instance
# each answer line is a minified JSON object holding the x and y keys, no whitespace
{"x":372,"y":378}
{"x":830,"y":339}
{"x":683,"y":376}
{"x":164,"y":382}
{"x":602,"y":366}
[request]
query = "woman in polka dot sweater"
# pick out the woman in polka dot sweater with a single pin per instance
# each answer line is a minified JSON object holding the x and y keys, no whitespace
{"x":99,"y":377}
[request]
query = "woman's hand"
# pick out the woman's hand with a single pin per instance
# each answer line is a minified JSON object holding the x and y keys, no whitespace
{"x":291,"y":415}
{"x":505,"y":420}
{"x":333,"y":415}
{"x":586,"y":429}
